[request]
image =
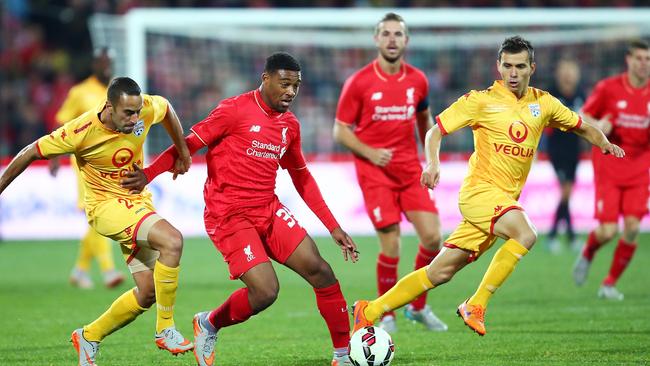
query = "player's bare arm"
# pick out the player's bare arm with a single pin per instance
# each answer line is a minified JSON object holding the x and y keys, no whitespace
{"x":604,"y":124}
{"x":424,"y":123}
{"x":344,"y":135}
{"x":18,"y":164}
{"x":597,"y":138}
{"x":431,"y":173}
{"x":175,"y":131}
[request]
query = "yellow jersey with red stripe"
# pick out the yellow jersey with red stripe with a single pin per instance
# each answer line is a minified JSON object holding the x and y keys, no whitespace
{"x":506,"y":132}
{"x":104,"y":156}
{"x":81,"y":98}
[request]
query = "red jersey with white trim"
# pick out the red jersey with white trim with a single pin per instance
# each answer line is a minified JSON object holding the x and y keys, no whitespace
{"x":629,"y":111}
{"x":383,"y":109}
{"x":247,"y":142}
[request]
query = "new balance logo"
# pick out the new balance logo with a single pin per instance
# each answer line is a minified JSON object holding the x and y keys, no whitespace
{"x":376,"y":96}
{"x":255,"y":128}
{"x":249,"y":253}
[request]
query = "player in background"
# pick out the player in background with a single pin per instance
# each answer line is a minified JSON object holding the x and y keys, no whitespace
{"x":507,"y":120}
{"x":248,"y":137}
{"x":107,"y":142}
{"x":82,"y":97}
{"x":620,"y":107}
{"x":379,"y":109}
{"x":564,"y":149}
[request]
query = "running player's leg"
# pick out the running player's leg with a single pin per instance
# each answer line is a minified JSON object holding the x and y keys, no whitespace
{"x":634,"y":208}
{"x":608,"y":207}
{"x":440,"y":271}
{"x":288,"y":243}
{"x":384,"y":212}
{"x":427,"y":227}
{"x":520,"y":235}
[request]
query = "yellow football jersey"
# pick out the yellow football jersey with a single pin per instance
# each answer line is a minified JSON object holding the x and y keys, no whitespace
{"x":81,"y":98}
{"x":506,"y":132}
{"x":104,"y":156}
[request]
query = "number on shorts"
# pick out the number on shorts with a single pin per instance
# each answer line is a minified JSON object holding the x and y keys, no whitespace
{"x":286,"y":216}
{"x":126,"y":203}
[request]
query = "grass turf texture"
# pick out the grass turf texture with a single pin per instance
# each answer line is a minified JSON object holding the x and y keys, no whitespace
{"x":537,"y":318}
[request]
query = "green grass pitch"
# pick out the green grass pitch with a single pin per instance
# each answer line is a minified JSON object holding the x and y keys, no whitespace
{"x":537,"y":318}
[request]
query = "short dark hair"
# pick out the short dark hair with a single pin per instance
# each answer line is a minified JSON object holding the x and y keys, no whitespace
{"x":517,"y":44}
{"x":637,"y":44}
{"x":122,"y":85}
{"x":391,"y":17}
{"x":281,"y":61}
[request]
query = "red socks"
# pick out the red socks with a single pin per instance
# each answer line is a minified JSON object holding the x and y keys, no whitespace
{"x":622,"y":256}
{"x":591,"y":247}
{"x":386,"y":275}
{"x":235,"y":310}
{"x":424,"y":257}
{"x":334,"y":310}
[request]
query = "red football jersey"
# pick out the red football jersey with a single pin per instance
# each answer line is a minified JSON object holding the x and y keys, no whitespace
{"x":246,"y":140}
{"x":383,"y":109}
{"x":629,"y":111}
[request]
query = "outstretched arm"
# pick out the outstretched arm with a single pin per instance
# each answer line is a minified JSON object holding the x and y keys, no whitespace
{"x":175,"y":131}
{"x":431,"y":173}
{"x":597,"y":138}
{"x":18,"y":164}
{"x":137,"y":179}
{"x":308,"y":189}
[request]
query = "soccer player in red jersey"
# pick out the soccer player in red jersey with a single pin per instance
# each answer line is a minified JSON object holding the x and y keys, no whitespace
{"x":248,"y":136}
{"x":378,"y":110}
{"x":620,"y":107}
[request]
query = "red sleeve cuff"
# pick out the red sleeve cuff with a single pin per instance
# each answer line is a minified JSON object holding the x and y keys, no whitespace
{"x":440,"y":126}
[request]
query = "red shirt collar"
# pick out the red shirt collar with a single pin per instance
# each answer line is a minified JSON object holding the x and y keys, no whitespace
{"x":384,"y":76}
{"x":265,"y":108}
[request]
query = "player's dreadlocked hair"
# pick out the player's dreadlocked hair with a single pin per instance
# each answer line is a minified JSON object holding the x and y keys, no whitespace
{"x":517,"y":44}
{"x":122,"y":85}
{"x":281,"y":61}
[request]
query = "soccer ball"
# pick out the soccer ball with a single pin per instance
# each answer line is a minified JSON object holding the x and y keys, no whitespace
{"x":371,"y":346}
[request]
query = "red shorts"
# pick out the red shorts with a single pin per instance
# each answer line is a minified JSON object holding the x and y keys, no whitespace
{"x":613,"y":201}
{"x":385,"y":205}
{"x":249,"y":239}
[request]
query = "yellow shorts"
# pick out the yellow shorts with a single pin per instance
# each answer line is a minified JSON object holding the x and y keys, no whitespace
{"x":481,"y":207}
{"x":128,"y":223}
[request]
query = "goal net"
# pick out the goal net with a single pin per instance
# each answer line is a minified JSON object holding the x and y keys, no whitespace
{"x":196,"y":57}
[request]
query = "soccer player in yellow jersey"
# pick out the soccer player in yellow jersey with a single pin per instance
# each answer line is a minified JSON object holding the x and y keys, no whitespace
{"x":82,"y":97}
{"x":107,"y":142}
{"x":507,"y":120}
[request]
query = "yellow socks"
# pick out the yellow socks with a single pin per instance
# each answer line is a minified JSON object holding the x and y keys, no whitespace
{"x":404,"y":291}
{"x":166,"y":282}
{"x":123,"y":311}
{"x":502,"y":265}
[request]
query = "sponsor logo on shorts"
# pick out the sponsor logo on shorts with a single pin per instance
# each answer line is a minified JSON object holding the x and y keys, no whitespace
{"x":497,"y":209}
{"x":249,"y":253}
{"x":377,"y":213}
